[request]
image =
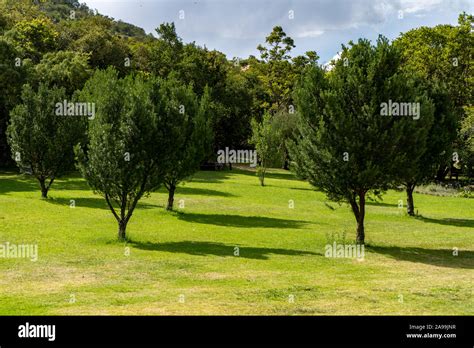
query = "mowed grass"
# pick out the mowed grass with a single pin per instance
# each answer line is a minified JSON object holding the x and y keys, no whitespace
{"x":184,"y":262}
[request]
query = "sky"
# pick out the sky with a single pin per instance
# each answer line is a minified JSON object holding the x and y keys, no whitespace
{"x":236,"y":27}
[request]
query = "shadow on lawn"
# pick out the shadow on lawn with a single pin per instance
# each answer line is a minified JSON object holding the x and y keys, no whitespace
{"x":19,"y":184}
{"x":304,"y":189}
{"x":210,"y":176}
{"x":448,"y":221}
{"x":73,"y":183}
{"x":185,"y":190}
{"x":240,"y":221}
{"x":381,"y":204}
{"x":435,"y":257}
{"x":218,"y":249}
{"x":269,"y":175}
{"x":27,"y":183}
{"x":92,"y":202}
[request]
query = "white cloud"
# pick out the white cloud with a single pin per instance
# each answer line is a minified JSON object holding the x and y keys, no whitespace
{"x":329,"y":64}
{"x":309,"y":33}
{"x":413,"y":6}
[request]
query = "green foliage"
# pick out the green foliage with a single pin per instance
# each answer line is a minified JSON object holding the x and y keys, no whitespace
{"x":66,"y":69}
{"x":266,"y":143}
{"x":59,"y":10}
{"x":467,"y":140}
{"x":284,"y":125}
{"x":129,"y":30}
{"x":166,"y":52}
{"x":33,"y":38}
{"x":231,"y":101}
{"x":438,"y":147}
{"x":20,"y":10}
{"x":231,"y":111}
{"x":188,"y":130}
{"x":94,"y":36}
{"x":279,"y":46}
{"x":443,"y":53}
{"x":42,"y":142}
{"x":277,"y":75}
{"x":11,"y":79}
{"x":444,"y":56}
{"x":277,"y":72}
{"x":3,"y":22}
{"x":129,"y":148}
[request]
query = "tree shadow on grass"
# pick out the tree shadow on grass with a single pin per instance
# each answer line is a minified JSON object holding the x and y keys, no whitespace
{"x":304,"y":189}
{"x":449,"y":222}
{"x":435,"y":257}
{"x":185,"y":190}
{"x":381,"y":204}
{"x":19,"y":184}
{"x":269,"y":175}
{"x":240,"y":221}
{"x":28,"y":183}
{"x":72,"y":183}
{"x":91,"y":202}
{"x":210,"y":176}
{"x":218,"y":249}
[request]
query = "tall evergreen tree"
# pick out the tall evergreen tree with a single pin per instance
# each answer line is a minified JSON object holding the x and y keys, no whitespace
{"x":347,"y":147}
{"x":127,"y":153}
{"x":438,"y":148}
{"x":42,"y":141}
{"x":189,"y":130}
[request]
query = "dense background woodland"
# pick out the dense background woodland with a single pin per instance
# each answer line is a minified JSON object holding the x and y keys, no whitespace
{"x":164,"y":107}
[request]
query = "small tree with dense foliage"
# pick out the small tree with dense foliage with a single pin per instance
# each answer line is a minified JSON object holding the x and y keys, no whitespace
{"x":42,"y":142}
{"x":346,"y":148}
{"x":438,"y":148}
{"x":190,"y":131}
{"x":127,"y":151}
{"x":265,"y":140}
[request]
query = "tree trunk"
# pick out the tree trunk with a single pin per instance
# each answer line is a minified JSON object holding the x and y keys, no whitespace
{"x":360,"y":239}
{"x":261,"y":177}
{"x":441,"y":173}
{"x":410,"y":204}
{"x":122,"y":230}
{"x":44,"y":189}
{"x":359,"y":213}
{"x":286,"y":161}
{"x":171,"y":190}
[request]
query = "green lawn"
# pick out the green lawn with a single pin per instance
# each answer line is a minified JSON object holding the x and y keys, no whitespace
{"x":184,"y":263}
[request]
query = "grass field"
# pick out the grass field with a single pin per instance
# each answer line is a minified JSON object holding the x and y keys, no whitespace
{"x":183,"y":262}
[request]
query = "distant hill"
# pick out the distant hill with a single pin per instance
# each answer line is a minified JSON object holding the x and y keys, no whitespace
{"x":59,"y":10}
